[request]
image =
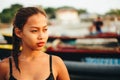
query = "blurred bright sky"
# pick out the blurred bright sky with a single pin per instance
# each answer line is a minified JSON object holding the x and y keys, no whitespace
{"x":92,"y":6}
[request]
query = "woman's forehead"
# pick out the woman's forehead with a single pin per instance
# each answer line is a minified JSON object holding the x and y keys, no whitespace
{"x":37,"y":17}
{"x":37,"y":20}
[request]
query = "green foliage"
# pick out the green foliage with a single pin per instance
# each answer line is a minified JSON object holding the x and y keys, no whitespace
{"x":114,"y":12}
{"x":80,"y":11}
{"x":6,"y":18}
{"x":50,"y":12}
{"x":66,"y":7}
{"x":14,"y":8}
{"x":7,"y":14}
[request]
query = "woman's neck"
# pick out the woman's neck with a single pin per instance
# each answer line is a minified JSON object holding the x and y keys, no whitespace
{"x":26,"y":55}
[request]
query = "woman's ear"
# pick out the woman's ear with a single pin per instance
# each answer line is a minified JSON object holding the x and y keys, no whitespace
{"x":18,"y":32}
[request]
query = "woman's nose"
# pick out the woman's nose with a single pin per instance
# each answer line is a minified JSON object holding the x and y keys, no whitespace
{"x":40,"y":35}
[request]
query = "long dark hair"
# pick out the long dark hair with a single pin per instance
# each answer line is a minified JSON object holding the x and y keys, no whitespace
{"x":20,"y":20}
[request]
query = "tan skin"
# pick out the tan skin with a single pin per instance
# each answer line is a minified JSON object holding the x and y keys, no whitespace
{"x":33,"y":63}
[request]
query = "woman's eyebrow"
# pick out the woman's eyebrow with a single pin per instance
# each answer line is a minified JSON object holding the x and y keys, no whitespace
{"x":33,"y":27}
{"x":38,"y":27}
{"x":45,"y":25}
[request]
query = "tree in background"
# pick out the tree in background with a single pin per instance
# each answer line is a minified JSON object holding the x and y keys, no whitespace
{"x":7,"y":14}
{"x":80,"y":11}
{"x":114,"y":12}
{"x":50,"y":12}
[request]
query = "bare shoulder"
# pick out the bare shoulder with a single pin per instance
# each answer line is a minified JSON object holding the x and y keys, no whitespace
{"x":4,"y":66}
{"x":61,"y":68}
{"x":4,"y":62}
{"x":57,"y":60}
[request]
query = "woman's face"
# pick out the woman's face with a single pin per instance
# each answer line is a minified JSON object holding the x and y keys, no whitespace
{"x":34,"y":34}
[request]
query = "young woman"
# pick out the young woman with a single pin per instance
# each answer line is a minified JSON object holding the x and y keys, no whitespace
{"x":30,"y":34}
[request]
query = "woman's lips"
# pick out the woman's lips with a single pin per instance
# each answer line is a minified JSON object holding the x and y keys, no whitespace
{"x":40,"y":44}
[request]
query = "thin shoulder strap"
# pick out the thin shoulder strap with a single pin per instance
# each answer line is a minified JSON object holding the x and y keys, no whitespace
{"x":10,"y":65}
{"x":50,"y":63}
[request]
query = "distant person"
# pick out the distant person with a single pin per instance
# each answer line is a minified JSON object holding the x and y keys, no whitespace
{"x":96,"y":26}
{"x":30,"y":33}
{"x":98,"y":23}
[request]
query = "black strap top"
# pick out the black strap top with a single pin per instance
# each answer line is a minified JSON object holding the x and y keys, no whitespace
{"x":51,"y":77}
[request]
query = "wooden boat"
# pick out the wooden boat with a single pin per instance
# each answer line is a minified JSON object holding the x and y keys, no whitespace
{"x":68,"y":51}
{"x":100,"y":35}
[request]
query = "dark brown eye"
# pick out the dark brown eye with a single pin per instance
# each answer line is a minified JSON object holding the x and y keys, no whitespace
{"x":45,"y":29}
{"x":34,"y":31}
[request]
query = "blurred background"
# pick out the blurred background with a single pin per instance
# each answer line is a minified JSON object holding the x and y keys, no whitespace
{"x":89,"y":53}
